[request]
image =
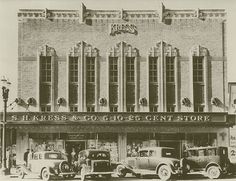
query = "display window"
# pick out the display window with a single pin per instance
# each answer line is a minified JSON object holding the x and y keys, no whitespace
{"x":201,"y":139}
{"x":109,"y":142}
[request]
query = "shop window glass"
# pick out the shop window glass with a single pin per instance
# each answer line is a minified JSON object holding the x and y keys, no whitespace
{"x":136,"y":141}
{"x":201,"y":139}
{"x":109,"y":141}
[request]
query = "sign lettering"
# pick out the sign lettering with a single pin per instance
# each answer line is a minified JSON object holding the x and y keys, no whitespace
{"x":114,"y":117}
{"x":123,"y":28}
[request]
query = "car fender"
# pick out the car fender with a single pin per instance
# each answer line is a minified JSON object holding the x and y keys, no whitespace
{"x":213,"y":164}
{"x":127,"y":168}
{"x":24,"y":168}
{"x":164,"y":163}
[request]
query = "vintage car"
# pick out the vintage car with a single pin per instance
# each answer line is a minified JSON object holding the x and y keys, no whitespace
{"x":213,"y":161}
{"x":46,"y":164}
{"x":159,"y":161}
{"x":94,"y":163}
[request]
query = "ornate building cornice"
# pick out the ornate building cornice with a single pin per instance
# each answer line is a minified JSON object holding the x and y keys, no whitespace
{"x":84,"y":14}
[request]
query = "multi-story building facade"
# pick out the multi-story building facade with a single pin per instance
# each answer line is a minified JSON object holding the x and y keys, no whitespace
{"x":121,"y":80}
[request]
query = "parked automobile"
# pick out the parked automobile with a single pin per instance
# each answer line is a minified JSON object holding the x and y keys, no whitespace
{"x":161,"y":161}
{"x":94,"y":163}
{"x":47,"y":164}
{"x":213,"y":161}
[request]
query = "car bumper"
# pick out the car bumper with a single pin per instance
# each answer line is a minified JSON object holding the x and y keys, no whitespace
{"x":99,"y":173}
{"x":67,"y":173}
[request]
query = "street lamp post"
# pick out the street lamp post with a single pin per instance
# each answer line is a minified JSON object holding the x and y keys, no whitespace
{"x":5,"y":93}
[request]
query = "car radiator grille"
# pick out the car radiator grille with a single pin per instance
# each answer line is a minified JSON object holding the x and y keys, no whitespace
{"x":101,"y":167}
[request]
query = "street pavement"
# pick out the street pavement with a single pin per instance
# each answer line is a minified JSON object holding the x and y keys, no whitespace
{"x":195,"y":177}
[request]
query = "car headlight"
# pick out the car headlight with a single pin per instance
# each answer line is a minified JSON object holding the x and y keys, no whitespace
{"x":176,"y":164}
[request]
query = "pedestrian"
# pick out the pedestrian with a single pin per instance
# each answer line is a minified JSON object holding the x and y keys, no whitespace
{"x":26,"y":156}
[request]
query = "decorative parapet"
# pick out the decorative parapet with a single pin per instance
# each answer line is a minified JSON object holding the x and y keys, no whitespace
{"x":190,"y":14}
{"x":84,"y":14}
{"x":47,"y":14}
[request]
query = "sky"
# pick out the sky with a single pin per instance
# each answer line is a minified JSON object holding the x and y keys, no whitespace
{"x":9,"y":23}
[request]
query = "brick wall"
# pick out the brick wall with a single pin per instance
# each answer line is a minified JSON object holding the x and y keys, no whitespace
{"x":64,"y":34}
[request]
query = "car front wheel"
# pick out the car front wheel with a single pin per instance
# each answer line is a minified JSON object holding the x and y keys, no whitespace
{"x":164,"y":172}
{"x":213,"y":172}
{"x":45,"y":175}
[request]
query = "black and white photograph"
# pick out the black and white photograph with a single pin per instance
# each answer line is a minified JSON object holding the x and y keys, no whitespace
{"x":118,"y":90}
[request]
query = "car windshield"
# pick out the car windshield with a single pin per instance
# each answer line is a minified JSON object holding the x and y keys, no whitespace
{"x":99,"y":155}
{"x":169,"y":153}
{"x":54,"y":156}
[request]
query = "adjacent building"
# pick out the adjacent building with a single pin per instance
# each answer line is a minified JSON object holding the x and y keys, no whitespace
{"x":120,"y":80}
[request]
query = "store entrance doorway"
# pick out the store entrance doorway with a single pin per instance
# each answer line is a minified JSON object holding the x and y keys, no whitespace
{"x":172,"y":144}
{"x":73,"y":148}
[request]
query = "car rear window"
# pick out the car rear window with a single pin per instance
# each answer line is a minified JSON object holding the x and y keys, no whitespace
{"x":99,"y":156}
{"x":169,"y":153}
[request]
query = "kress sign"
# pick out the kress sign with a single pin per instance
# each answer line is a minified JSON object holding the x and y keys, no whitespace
{"x":122,"y":28}
{"x":110,"y":117}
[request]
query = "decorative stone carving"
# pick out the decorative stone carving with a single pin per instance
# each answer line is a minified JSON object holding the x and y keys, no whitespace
{"x":199,"y":51}
{"x":46,"y":50}
{"x":88,"y":50}
{"x":167,"y":49}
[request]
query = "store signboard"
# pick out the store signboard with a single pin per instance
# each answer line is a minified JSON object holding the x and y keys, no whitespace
{"x":232,"y":154}
{"x":118,"y":28}
{"x":117,"y":117}
{"x":233,"y":137}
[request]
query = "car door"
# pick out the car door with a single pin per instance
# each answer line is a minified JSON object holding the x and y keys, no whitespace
{"x":152,"y":160}
{"x":142,"y":160}
{"x":33,"y":163}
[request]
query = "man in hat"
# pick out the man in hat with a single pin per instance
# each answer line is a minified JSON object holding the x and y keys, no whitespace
{"x":26,"y":156}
